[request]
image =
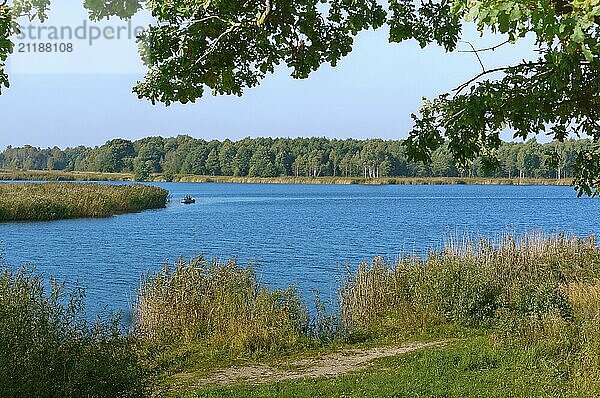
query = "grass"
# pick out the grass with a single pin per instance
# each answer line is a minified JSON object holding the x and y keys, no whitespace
{"x":222,"y":306}
{"x":473,"y":284}
{"x":52,"y":175}
{"x":370,"y":181}
{"x":472,"y":368}
{"x":55,"y":201}
{"x":45,"y":175}
{"x":524,"y":315}
{"x":526,"y":311}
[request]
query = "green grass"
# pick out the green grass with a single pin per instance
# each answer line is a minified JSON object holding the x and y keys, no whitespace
{"x":528,"y":311}
{"x":55,"y":201}
{"x":474,"y":368}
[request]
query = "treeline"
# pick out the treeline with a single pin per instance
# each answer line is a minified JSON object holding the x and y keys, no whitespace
{"x":295,"y":157}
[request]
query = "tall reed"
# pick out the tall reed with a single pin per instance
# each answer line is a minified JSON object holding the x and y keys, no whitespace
{"x":54,"y":201}
{"x":218,"y":305}
{"x":471,"y":283}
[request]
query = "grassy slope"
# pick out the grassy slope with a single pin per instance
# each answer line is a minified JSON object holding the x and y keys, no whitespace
{"x":472,"y":368}
{"x":92,"y":176}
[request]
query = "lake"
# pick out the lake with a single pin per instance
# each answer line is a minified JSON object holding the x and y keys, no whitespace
{"x":293,"y":234}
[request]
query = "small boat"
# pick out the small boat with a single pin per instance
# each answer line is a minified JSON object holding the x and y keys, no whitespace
{"x":188,"y":200}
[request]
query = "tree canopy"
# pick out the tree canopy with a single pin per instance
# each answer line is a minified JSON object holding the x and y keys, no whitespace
{"x":292,"y":157}
{"x":229,"y":45}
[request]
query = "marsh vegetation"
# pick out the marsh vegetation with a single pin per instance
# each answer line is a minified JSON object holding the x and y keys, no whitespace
{"x":55,"y":201}
{"x":511,"y":305}
{"x":49,"y":347}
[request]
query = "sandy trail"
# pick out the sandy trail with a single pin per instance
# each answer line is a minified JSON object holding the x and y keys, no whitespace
{"x":329,"y":365}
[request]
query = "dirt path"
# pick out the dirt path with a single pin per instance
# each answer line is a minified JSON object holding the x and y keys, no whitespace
{"x":330,"y":365}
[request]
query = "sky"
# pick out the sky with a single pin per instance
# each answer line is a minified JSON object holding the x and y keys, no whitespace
{"x":85,"y":98}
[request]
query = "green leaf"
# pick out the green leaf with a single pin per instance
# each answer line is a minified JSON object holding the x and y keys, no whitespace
{"x":589,"y":56}
{"x":578,"y":36}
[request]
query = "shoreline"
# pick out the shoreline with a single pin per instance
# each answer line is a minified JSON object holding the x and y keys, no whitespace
{"x":34,"y":175}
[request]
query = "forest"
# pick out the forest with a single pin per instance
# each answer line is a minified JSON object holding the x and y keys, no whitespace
{"x":295,"y":157}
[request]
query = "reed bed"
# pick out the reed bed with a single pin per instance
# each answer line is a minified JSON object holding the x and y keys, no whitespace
{"x":220,"y":305}
{"x":474,"y":283}
{"x":326,"y":180}
{"x":537,"y":295}
{"x":585,"y":299}
{"x":54,"y":201}
{"x":55,"y":175}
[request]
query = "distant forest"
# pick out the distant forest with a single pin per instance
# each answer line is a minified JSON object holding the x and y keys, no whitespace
{"x":272,"y":157}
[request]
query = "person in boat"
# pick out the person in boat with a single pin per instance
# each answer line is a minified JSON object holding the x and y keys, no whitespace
{"x":188,"y":199}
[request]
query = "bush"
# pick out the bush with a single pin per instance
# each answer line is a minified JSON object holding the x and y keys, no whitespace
{"x":48,"y":348}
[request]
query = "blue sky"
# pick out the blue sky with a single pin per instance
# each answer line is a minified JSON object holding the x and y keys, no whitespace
{"x":84,"y":98}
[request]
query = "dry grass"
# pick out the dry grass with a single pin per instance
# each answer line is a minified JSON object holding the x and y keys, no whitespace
{"x":52,"y":175}
{"x":370,"y":181}
{"x":585,"y":299}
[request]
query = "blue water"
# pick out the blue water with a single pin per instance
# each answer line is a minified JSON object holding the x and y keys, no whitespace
{"x":300,"y":234}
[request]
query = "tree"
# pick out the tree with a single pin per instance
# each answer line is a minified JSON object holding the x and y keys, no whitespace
{"x":315,"y":163}
{"x":194,"y":161}
{"x":226,"y":158}
{"x":298,"y":166}
{"x":176,"y":150}
{"x":261,"y":164}
{"x":309,"y":157}
{"x":283,"y":163}
{"x":508,"y":153}
{"x":242,"y":160}
{"x":57,"y":159}
{"x":442,"y":163}
{"x":228,"y":46}
{"x":151,"y":150}
{"x":334,"y":159}
{"x":115,"y":156}
{"x":528,"y":159}
{"x":212,"y":163}
{"x":142,"y":170}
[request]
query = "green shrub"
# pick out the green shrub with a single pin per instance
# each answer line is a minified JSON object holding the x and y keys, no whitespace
{"x":48,"y":348}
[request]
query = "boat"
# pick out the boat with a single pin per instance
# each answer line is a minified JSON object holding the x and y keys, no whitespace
{"x":188,"y":200}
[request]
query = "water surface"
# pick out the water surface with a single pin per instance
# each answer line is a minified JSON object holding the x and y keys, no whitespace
{"x":301,"y":234}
